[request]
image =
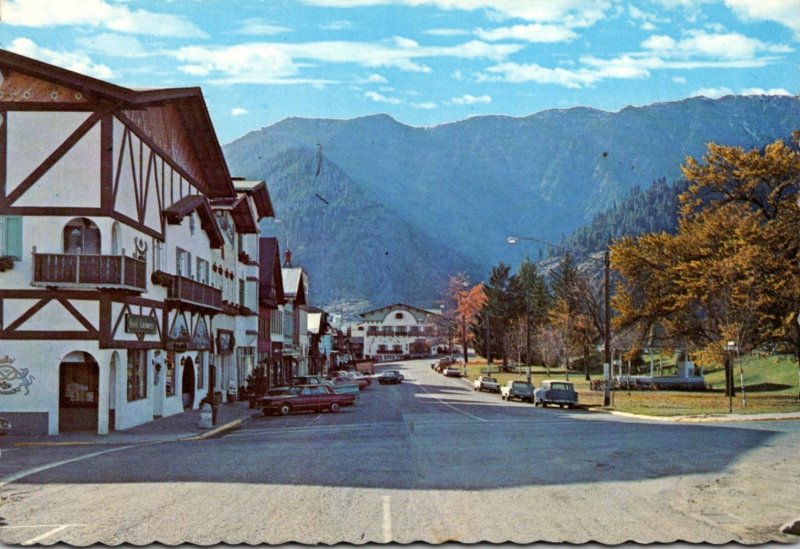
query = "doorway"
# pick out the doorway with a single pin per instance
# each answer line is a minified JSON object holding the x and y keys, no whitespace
{"x":79,"y":380}
{"x":187,"y":383}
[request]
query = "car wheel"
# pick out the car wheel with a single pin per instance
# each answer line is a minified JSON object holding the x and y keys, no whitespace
{"x":334,"y":407}
{"x":285,"y":409}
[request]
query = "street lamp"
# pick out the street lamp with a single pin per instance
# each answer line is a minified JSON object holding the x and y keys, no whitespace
{"x":607,"y":306}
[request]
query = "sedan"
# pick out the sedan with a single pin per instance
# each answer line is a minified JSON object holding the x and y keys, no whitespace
{"x":452,"y":371}
{"x":300,"y":398}
{"x":389,"y":376}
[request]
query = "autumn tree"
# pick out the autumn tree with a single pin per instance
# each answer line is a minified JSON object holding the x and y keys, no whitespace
{"x":731,"y":271}
{"x":466,"y":301}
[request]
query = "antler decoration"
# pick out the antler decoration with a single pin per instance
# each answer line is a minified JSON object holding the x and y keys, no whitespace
{"x":141,"y":248}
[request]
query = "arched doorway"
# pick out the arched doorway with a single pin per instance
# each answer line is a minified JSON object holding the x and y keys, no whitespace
{"x":81,"y":236}
{"x":187,"y":383}
{"x":79,"y":380}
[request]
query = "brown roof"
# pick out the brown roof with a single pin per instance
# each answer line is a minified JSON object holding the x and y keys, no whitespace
{"x":188,"y":204}
{"x":201,"y":155}
{"x":270,"y":279}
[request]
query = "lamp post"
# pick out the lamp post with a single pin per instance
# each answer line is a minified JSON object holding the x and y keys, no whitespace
{"x":606,"y":305}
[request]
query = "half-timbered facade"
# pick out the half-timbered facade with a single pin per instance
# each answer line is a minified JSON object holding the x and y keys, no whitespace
{"x":397,"y":331}
{"x":122,"y":283}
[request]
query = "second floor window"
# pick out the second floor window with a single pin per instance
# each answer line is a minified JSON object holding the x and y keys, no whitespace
{"x":81,"y":236}
{"x":202,"y":270}
{"x":11,"y":236}
{"x":183,"y":260}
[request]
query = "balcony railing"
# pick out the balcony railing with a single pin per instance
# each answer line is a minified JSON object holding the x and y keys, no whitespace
{"x":186,"y":291}
{"x":89,"y":271}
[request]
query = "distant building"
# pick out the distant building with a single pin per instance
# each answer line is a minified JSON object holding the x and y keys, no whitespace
{"x":397,"y":331}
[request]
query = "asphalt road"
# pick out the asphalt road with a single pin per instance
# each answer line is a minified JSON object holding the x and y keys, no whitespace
{"x":427,"y":460}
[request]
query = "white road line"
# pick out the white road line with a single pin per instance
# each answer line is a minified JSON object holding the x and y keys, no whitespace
{"x":440,"y":401}
{"x":22,"y":474}
{"x":46,"y":535}
{"x":387,"y":520}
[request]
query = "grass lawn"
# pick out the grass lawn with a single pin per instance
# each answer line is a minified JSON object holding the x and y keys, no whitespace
{"x":771,"y":386}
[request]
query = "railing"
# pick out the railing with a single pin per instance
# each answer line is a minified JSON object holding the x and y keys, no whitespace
{"x":99,"y":271}
{"x":192,"y":292}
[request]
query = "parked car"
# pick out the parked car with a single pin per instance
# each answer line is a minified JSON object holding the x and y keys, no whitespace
{"x":517,"y":389}
{"x":452,"y":371}
{"x":486,"y":383}
{"x":299,"y":398}
{"x":344,"y":384}
{"x":357,"y":377}
{"x":5,"y":426}
{"x":441,"y":363}
{"x":389,"y":376}
{"x":556,"y":392}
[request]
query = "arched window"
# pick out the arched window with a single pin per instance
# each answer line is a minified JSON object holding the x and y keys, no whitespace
{"x":116,"y":238}
{"x":81,"y":236}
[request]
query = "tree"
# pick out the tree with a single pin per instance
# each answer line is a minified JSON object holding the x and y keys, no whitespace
{"x":536,"y":300}
{"x":467,"y":301}
{"x":731,"y":271}
{"x":502,"y":306}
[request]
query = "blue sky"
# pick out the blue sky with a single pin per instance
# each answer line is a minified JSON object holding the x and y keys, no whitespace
{"x":424,"y":62}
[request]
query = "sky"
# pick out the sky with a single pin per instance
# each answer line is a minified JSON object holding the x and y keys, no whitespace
{"x":424,"y":62}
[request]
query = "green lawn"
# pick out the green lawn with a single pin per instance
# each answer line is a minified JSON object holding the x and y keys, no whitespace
{"x":771,"y":385}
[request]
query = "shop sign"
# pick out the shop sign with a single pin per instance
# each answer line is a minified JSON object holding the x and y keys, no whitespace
{"x":141,"y":324}
{"x":13,"y":379}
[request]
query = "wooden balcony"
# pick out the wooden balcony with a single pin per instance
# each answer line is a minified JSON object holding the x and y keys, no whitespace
{"x":187,"y":293}
{"x":108,"y":272}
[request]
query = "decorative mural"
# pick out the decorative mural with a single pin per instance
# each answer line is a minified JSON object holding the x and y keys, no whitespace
{"x":12,"y":379}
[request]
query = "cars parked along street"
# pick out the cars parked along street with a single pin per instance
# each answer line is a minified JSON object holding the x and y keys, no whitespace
{"x":486,"y":383}
{"x":517,"y":389}
{"x":300,"y":398}
{"x":452,"y":371}
{"x":556,"y":392}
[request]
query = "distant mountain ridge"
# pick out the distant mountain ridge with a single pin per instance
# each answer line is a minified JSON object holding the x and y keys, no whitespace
{"x":459,"y":189}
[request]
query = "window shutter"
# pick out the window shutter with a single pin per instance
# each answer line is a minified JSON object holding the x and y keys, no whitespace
{"x":13,"y":237}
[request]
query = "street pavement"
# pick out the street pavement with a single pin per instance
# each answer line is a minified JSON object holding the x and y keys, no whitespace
{"x":428,"y":460}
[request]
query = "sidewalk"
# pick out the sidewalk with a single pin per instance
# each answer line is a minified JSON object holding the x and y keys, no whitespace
{"x":183,"y":426}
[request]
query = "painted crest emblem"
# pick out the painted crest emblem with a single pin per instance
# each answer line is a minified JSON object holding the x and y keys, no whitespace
{"x":13,"y":379}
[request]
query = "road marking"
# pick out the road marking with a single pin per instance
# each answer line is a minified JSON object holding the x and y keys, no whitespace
{"x":440,"y":401}
{"x":22,"y":474}
{"x":46,"y":535}
{"x":387,"y":520}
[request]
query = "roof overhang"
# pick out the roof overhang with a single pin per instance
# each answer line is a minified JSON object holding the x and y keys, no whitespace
{"x":188,"y":204}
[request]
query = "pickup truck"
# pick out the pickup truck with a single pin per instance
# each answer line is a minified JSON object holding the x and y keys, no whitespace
{"x":486,"y":383}
{"x":517,"y":389}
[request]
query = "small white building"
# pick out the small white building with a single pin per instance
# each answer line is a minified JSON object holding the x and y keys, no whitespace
{"x":397,"y":331}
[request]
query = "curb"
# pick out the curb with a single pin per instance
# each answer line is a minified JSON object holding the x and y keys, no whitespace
{"x":216,"y":432}
{"x":702,"y":419}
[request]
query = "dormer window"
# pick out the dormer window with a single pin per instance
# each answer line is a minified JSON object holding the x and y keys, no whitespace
{"x":398,"y":316}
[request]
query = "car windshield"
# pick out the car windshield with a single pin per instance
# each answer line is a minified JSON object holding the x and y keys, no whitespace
{"x":490,"y":379}
{"x":521,"y":385}
{"x":561,"y":386}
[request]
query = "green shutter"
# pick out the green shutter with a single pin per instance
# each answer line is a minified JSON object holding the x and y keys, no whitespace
{"x":13,"y":237}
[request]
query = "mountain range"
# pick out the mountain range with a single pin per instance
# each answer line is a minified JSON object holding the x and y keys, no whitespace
{"x":379,"y":212}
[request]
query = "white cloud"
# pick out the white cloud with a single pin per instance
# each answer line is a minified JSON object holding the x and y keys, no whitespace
{"x":378,"y":98}
{"x":428,"y":106}
{"x":118,"y":45}
{"x":258,"y":27}
{"x":376,"y":79}
{"x":572,"y":13}
{"x":77,"y":62}
{"x":471,"y":100}
{"x":715,"y":93}
{"x":337,"y":25}
{"x":446,"y":32}
{"x":239,"y":111}
{"x":783,"y":12}
{"x":269,"y":61}
{"x":718,"y":45}
{"x":97,"y":13}
{"x":679,"y":79}
{"x":535,"y":32}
